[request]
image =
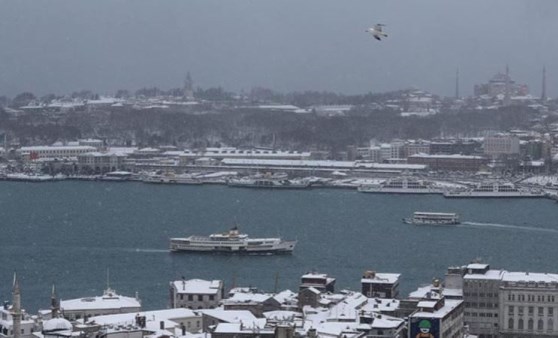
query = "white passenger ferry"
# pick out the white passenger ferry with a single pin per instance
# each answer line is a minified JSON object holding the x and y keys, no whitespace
{"x":433,"y":218}
{"x":269,"y":183}
{"x":402,"y":185}
{"x":232,"y":242}
{"x":494,"y":189}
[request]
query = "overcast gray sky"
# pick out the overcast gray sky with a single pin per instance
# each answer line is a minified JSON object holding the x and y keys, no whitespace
{"x":60,"y":46}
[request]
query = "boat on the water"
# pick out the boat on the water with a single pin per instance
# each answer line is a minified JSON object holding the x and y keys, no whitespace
{"x":232,"y":242}
{"x":171,"y":179}
{"x":270,"y":183}
{"x":402,"y":185}
{"x":433,"y":218}
{"x":494,"y":189}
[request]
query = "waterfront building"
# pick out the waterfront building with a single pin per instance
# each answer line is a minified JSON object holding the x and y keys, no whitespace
{"x":188,"y":156}
{"x":171,"y":321}
{"x":481,"y":295}
{"x":257,"y":303}
{"x":319,"y":281}
{"x":98,"y":144}
{"x":196,"y":293}
{"x":380,"y":285}
{"x":437,"y":316}
{"x":97,"y":162}
{"x":501,"y":304}
{"x":527,"y":305}
{"x":213,"y":317}
{"x":109,"y":303}
{"x":501,"y":145}
{"x":449,"y":162}
{"x":309,"y":297}
{"x":416,"y":147}
{"x":352,"y":314}
{"x":315,"y":165}
{"x":458,"y":146}
{"x":53,"y":152}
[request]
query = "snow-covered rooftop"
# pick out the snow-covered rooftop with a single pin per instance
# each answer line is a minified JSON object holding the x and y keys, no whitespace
{"x":382,"y":278}
{"x":151,"y":316}
{"x":530,"y":277}
{"x":230,"y":316}
{"x":109,"y":300}
{"x":197,"y":286}
{"x":449,"y":305}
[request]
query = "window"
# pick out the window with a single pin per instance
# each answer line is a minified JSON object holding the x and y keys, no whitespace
{"x":541,"y":311}
{"x":520,"y":324}
{"x":550,"y":311}
{"x":550,"y":325}
{"x":211,"y":297}
{"x":530,"y":324}
{"x":510,"y":310}
{"x":540,"y":325}
{"x":200,"y":298}
{"x":510,"y":323}
{"x":531,"y":310}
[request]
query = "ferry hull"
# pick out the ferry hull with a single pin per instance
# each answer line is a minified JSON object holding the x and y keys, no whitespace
{"x":285,"y":247}
{"x":400,"y":191}
{"x":492,"y":195}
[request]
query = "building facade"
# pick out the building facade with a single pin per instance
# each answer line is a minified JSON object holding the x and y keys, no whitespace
{"x":196,"y":294}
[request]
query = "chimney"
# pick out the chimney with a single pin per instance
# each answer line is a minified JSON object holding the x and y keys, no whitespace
{"x":162,"y":324}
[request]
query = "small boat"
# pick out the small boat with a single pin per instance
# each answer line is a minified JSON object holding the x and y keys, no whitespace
{"x":232,"y":242}
{"x":433,"y":218}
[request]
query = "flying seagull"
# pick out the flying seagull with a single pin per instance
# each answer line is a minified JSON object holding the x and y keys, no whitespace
{"x":377,"y":31}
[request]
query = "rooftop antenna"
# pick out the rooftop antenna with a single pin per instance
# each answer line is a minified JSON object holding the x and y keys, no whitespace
{"x":276,"y":282}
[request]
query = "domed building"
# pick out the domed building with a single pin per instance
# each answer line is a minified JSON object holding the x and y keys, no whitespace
{"x":56,"y":328}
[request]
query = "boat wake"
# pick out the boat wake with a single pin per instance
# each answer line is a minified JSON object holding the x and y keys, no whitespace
{"x":147,"y":250}
{"x":507,"y":226}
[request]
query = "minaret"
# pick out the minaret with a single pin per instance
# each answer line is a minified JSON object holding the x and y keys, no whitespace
{"x":543,"y":94}
{"x":54,"y":306}
{"x":188,"y":87}
{"x":507,"y":89}
{"x":457,"y":84}
{"x":16,"y":308}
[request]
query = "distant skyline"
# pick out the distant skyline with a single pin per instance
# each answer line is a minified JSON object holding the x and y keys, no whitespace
{"x":62,"y":46}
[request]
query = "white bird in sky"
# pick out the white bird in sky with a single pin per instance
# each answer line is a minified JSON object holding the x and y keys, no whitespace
{"x":377,"y":31}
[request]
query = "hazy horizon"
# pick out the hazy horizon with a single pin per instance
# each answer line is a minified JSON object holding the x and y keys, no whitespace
{"x":61,"y":46}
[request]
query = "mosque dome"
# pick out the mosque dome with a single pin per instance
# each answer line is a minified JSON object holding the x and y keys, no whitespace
{"x":55,"y":325}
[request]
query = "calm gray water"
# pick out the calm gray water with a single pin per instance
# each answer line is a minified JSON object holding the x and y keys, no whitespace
{"x":70,"y":233}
